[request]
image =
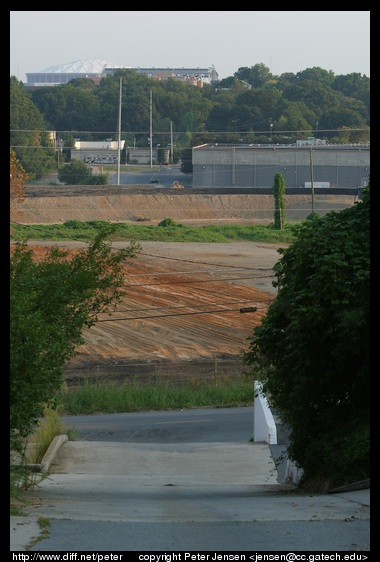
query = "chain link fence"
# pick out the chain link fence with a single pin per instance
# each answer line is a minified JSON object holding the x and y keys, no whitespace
{"x":213,"y":370}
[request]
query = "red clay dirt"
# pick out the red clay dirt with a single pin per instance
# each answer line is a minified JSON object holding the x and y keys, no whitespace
{"x":182,"y":301}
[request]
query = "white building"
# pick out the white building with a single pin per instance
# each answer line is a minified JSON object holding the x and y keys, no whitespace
{"x":97,"y":152}
{"x":310,"y":141}
{"x":97,"y":69}
{"x":63,"y":73}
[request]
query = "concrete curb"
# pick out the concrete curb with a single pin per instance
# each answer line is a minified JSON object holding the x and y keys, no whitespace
{"x":361,"y":485}
{"x":52,"y":451}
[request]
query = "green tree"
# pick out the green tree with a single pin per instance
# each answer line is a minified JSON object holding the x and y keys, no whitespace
{"x":51,"y":302}
{"x":78,"y":173}
{"x":187,"y":161}
{"x":28,"y":136}
{"x":353,"y":114}
{"x":18,"y":179}
{"x":72,"y":106}
{"x":311,"y":350}
{"x":318,"y":75}
{"x":242,"y":104}
{"x":295,"y":116}
{"x":316,"y":96}
{"x":256,"y":76}
{"x":354,"y":86}
{"x":279,"y":203}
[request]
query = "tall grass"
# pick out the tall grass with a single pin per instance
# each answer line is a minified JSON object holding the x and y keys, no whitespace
{"x":85,"y":231}
{"x":23,"y":476}
{"x":36,"y":445}
{"x":92,"y":398}
{"x":47,"y":429}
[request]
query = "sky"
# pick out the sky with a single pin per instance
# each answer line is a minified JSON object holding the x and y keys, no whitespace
{"x":283,"y":41}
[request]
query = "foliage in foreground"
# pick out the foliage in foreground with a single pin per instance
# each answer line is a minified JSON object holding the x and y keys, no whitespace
{"x":311,"y":350}
{"x":51,"y":302}
{"x":279,"y":202}
{"x":18,"y":179}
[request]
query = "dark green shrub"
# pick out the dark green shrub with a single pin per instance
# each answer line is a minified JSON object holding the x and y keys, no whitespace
{"x":312,"y":348}
{"x":167,"y":222}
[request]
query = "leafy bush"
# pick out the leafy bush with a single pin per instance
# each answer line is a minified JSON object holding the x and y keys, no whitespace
{"x":51,"y":302}
{"x":345,"y":449}
{"x":167,"y":222}
{"x":73,"y":224}
{"x":75,"y":173}
{"x":101,"y":179}
{"x":311,"y":350}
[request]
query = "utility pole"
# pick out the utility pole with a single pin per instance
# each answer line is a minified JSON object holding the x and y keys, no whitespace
{"x":171,"y":142}
{"x":151,"y":132}
{"x":58,"y":148}
{"x":312,"y":179}
{"x":119,"y":136}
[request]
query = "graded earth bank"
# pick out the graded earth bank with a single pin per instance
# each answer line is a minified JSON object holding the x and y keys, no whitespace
{"x":54,"y":205}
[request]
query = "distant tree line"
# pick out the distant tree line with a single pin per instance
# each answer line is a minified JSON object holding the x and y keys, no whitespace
{"x":252,"y":106}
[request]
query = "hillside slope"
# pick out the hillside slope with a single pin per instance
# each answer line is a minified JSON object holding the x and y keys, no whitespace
{"x":182,"y":301}
{"x":47,"y":205}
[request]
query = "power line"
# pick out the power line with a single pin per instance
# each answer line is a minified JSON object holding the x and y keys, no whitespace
{"x":175,"y":314}
{"x":204,"y":132}
{"x":202,"y":262}
{"x":226,"y":267}
{"x":192,"y":282}
{"x":179,"y":307}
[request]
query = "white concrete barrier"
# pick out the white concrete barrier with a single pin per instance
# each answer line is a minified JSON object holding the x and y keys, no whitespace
{"x":264,"y":427}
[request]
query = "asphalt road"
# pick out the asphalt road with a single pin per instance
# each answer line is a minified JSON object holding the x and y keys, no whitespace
{"x":208,"y":425}
{"x":168,"y":482}
{"x":166,"y":175}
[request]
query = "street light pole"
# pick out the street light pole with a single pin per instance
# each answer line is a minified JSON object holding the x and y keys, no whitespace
{"x":150,"y":130}
{"x":171,"y":142}
{"x":119,"y":136}
{"x":312,"y":180}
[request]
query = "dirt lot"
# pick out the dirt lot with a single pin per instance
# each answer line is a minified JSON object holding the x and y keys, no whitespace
{"x":182,"y":301}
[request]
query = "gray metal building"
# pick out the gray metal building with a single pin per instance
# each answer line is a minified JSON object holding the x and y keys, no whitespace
{"x":254,"y":166}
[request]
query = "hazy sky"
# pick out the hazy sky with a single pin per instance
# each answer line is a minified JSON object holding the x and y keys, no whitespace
{"x":283,"y":41}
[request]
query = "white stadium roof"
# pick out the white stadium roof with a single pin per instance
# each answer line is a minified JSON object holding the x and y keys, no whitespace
{"x":87,"y":66}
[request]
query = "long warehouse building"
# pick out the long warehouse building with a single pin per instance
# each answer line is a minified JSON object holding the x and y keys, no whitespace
{"x":254,"y":166}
